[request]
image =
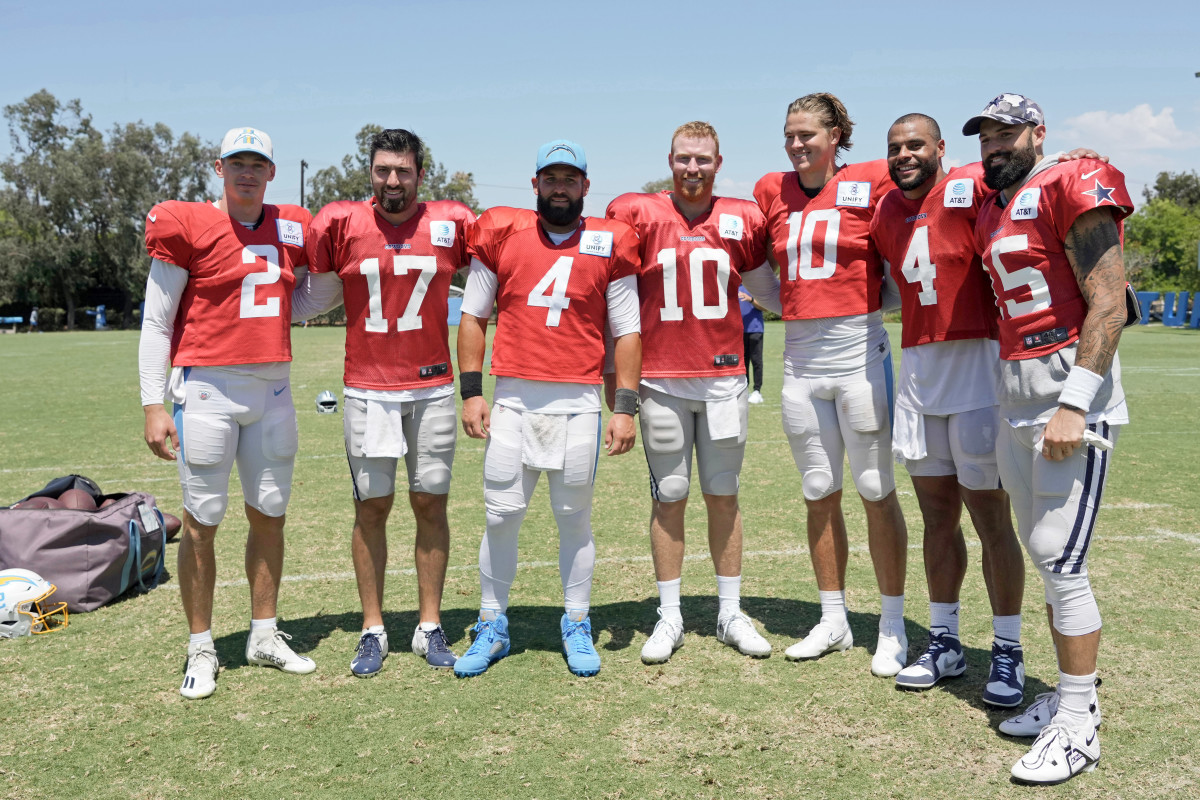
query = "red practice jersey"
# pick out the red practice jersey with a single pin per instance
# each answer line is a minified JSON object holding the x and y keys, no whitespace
{"x":930,"y":245}
{"x":689,"y":281}
{"x":237,"y":307}
{"x":1041,"y":308}
{"x":395,"y":286}
{"x":827,"y":264}
{"x":552,"y":297}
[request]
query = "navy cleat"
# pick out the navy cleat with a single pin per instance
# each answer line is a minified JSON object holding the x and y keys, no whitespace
{"x":942,"y":659}
{"x":1006,"y":683}
{"x":371,"y":651}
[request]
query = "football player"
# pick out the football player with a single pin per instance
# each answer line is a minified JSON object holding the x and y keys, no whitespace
{"x":558,"y":278}
{"x":837,"y":365}
{"x":218,"y":308}
{"x":695,"y":249}
{"x":1050,"y":236}
{"x":391,"y":258}
{"x":945,"y":411}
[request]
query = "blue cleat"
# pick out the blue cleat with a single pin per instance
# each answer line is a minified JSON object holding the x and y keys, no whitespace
{"x":491,"y":644}
{"x":582,"y":658}
{"x":1006,"y":683}
{"x":942,"y":659}
{"x":368,"y":660}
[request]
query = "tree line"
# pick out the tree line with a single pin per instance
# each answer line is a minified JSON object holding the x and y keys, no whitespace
{"x":73,"y":203}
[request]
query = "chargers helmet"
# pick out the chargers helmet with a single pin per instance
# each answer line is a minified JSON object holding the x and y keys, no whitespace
{"x":23,"y":606}
{"x":326,"y":403}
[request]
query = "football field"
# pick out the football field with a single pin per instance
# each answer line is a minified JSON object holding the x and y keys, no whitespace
{"x":94,"y":711}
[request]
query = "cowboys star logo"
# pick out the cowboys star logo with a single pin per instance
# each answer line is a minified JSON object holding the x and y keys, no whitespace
{"x":1102,"y":194}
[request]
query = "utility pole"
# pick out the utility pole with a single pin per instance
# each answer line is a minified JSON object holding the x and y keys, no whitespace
{"x":303,"y":166}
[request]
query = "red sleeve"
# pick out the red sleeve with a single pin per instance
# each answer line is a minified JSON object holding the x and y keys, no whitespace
{"x":167,"y":236}
{"x":621,"y":209}
{"x":625,"y":260}
{"x":321,"y":236}
{"x":481,"y":241}
{"x":766,"y":190}
{"x":755,"y":243}
{"x":1086,"y":184}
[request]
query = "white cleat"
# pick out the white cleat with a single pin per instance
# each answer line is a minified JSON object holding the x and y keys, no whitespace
{"x":822,"y":639}
{"x":1060,"y":753}
{"x":270,"y":649}
{"x":1037,"y":715}
{"x":666,"y":638}
{"x":755,"y":398}
{"x":890,"y":654}
{"x":200,"y":672}
{"x":737,"y":630}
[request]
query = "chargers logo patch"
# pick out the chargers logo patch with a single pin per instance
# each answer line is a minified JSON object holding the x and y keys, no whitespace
{"x":856,"y":194}
{"x":441,"y":233}
{"x":596,"y":243}
{"x":960,"y":193}
{"x":290,"y":232}
{"x":732,"y":227}
{"x":1025,"y":206}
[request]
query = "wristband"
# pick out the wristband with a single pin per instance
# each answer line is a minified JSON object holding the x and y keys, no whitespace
{"x":470,"y":384}
{"x":627,"y":402}
{"x":1079,"y":390}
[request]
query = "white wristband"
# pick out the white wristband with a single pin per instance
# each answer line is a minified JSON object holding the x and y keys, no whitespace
{"x":1080,"y":388}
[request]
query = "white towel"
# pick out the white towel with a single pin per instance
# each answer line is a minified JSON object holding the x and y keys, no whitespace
{"x":908,"y":435}
{"x":724,"y":418}
{"x":384,"y":434}
{"x":543,"y":440}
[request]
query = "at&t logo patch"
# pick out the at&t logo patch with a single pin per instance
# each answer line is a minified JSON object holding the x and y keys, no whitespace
{"x":441,"y":233}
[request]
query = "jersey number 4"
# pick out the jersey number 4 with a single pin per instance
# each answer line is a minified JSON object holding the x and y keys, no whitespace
{"x":555,"y":281}
{"x":917,"y":268}
{"x":425,"y":266}
{"x":671,"y":310}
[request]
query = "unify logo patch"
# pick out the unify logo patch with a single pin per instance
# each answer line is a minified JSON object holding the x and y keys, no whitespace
{"x":441,"y":233}
{"x":290,"y":232}
{"x":1025,"y":206}
{"x":856,"y":194}
{"x":960,"y":193}
{"x":596,"y":243}
{"x":731,"y":227}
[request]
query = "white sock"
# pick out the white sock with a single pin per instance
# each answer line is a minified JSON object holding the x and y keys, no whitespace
{"x":204,"y":637}
{"x":891,"y":616}
{"x":576,"y":613}
{"x":668,"y":599}
{"x":944,"y":615}
{"x":729,"y":593}
{"x":489,"y":614}
{"x":1007,"y":628}
{"x":260,"y":625}
{"x":833,"y":609}
{"x":1075,"y":694}
{"x":375,"y":629}
{"x":428,"y":627}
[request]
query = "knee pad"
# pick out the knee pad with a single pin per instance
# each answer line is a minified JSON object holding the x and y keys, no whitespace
{"x":280,"y":435}
{"x":272,"y":502}
{"x":871,"y":486}
{"x":818,"y":484}
{"x":673,"y":488}
{"x":433,"y":479}
{"x":1074,"y":605}
{"x":724,"y":483}
{"x":209,"y":510}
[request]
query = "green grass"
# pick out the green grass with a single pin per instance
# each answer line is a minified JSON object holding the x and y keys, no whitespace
{"x":95,"y":712}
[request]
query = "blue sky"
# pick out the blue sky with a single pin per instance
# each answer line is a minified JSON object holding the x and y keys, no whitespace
{"x":486,"y":83}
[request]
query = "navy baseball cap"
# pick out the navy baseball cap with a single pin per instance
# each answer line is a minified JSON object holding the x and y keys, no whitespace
{"x":561,"y":151}
{"x":1011,"y":109}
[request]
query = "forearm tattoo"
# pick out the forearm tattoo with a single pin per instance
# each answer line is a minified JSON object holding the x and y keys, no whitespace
{"x":1093,"y":247}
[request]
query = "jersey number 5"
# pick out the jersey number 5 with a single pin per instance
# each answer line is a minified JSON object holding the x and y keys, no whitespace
{"x":1039,"y":290}
{"x":401,"y":265}
{"x":671,"y":310}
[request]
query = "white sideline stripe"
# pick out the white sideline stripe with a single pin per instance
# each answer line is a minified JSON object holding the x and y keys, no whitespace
{"x":618,"y":560}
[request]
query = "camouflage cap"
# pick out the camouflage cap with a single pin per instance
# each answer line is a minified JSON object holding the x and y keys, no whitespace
{"x":1011,"y":109}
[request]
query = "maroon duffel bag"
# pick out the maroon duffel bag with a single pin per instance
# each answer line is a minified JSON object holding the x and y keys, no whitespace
{"x":92,"y":557}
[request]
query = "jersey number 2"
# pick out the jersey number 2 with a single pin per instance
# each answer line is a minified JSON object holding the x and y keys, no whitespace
{"x":270,"y":254}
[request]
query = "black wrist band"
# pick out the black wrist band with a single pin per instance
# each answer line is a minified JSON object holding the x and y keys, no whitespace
{"x":627,"y":402}
{"x":470,"y":384}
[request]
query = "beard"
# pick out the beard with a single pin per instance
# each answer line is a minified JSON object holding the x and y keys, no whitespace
{"x":395,"y":205}
{"x":925,"y":170}
{"x":559,"y":215}
{"x":1020,"y":161}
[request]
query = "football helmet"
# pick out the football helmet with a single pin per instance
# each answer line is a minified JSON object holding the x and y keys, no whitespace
{"x":24,"y":609}
{"x":326,"y":403}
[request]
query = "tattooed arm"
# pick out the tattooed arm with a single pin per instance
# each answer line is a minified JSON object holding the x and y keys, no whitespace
{"x":1093,"y":246}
